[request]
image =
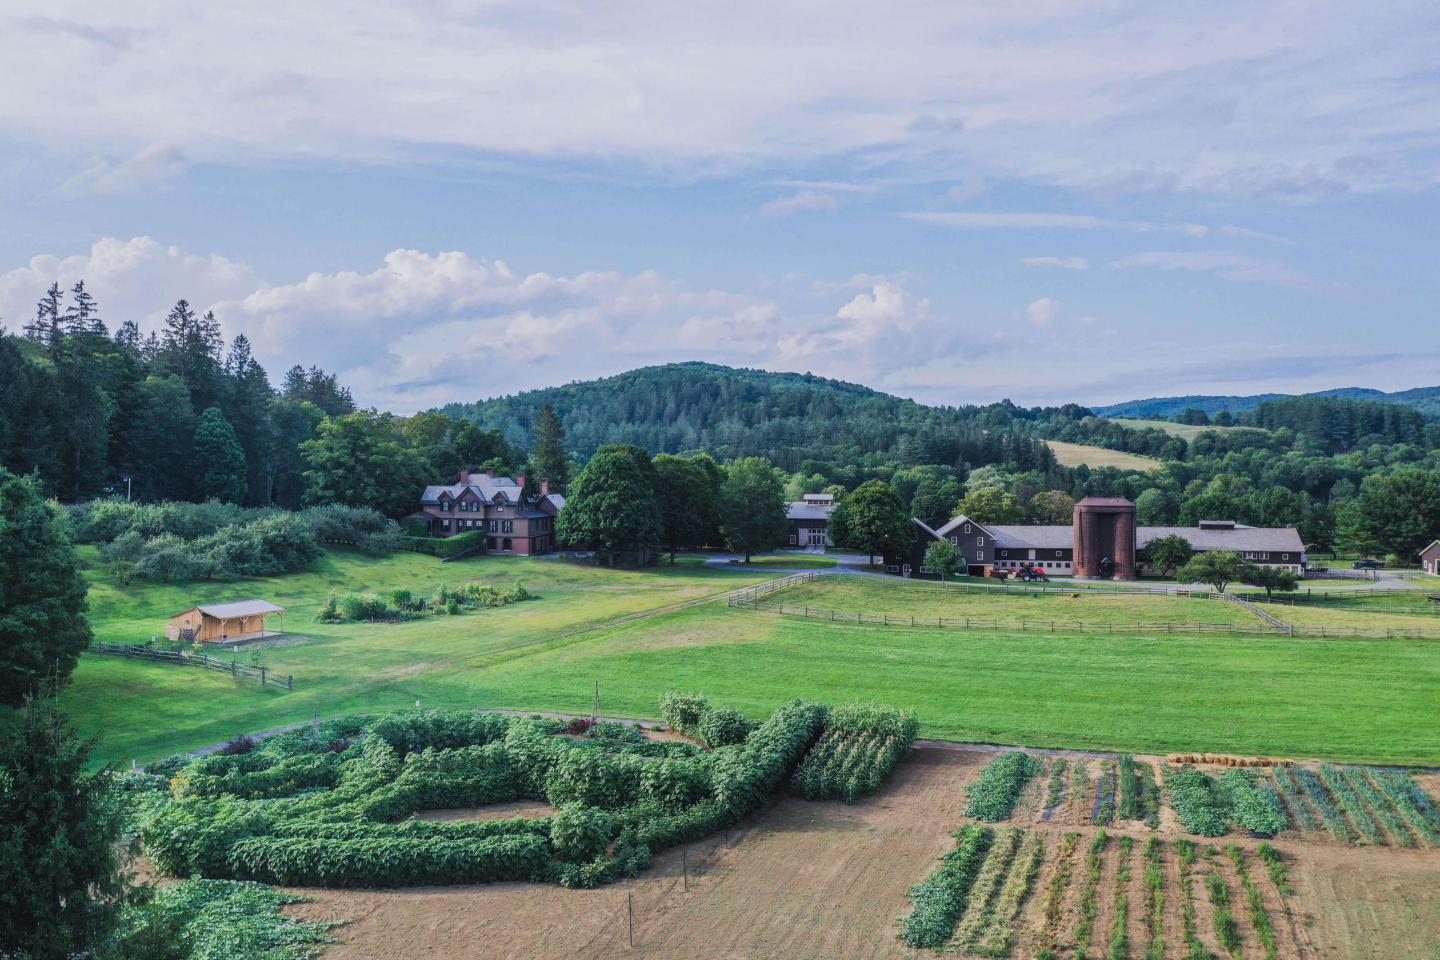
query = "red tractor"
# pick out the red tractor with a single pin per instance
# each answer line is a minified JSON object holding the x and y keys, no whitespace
{"x":1032,"y":574}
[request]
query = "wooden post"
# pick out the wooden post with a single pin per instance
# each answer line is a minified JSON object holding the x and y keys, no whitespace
{"x":685,"y":866}
{"x":630,"y":913}
{"x":262,"y":676}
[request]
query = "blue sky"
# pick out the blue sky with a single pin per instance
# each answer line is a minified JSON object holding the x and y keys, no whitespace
{"x":446,"y":200}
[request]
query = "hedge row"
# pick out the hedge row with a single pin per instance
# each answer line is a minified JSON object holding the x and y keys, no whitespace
{"x":445,"y":547}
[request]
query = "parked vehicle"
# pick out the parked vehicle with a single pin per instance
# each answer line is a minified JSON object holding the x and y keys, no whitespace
{"x":1317,"y":568}
{"x":1032,"y":574}
{"x":1368,"y":563}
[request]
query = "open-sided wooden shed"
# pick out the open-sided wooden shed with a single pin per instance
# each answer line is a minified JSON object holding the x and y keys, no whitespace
{"x":226,"y":622}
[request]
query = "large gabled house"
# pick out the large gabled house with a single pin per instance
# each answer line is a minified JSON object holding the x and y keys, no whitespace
{"x":479,"y":501}
{"x":985,"y":548}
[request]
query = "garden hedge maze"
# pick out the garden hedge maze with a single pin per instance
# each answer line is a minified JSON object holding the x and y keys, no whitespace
{"x":333,"y":806}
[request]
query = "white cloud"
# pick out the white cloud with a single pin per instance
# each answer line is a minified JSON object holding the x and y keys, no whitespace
{"x":805,"y":201}
{"x":137,"y":279}
{"x":1277,"y":99}
{"x":1066,"y":263}
{"x":1048,"y":221}
{"x":1227,"y":266}
{"x":1042,"y":312}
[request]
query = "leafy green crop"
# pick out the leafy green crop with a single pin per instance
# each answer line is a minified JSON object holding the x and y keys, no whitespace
{"x":994,"y":795}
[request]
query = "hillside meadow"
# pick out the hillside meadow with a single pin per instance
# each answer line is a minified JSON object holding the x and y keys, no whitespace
{"x":634,"y":634}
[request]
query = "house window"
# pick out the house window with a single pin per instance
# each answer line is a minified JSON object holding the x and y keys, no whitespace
{"x":1004,"y":553}
{"x":892,"y":568}
{"x":444,"y":524}
{"x":1284,"y":556}
{"x":1057,"y":553}
{"x":967,"y":528}
{"x":492,"y":526}
{"x":955,"y":541}
{"x":505,"y":544}
{"x":507,"y":526}
{"x":794,"y":540}
{"x":980,"y":541}
{"x":444,"y":506}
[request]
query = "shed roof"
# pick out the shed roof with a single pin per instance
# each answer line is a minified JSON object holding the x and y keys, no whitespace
{"x":799,"y":510}
{"x":240,"y":608}
{"x":1241,"y":538}
{"x":1047,"y":537}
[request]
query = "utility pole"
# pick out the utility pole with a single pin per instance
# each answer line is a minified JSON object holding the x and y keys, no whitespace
{"x":127,"y":489}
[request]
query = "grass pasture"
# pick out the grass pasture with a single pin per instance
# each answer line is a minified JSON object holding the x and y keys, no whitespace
{"x":1188,"y":431}
{"x":1139,"y":691}
{"x":1077,"y":454}
{"x":1093,"y":607}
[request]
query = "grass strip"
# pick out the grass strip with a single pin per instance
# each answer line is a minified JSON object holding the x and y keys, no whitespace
{"x":992,"y":874}
{"x":1089,"y":905}
{"x":995,"y":941}
{"x":939,"y":900}
{"x":1155,"y":898}
{"x":1119,"y":939}
{"x":1185,"y":852}
{"x":1055,"y":892}
{"x":1255,"y":904}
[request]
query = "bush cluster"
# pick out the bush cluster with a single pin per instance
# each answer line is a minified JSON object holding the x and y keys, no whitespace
{"x":401,"y":604}
{"x":860,"y":746}
{"x":349,"y":786}
{"x":998,"y":789}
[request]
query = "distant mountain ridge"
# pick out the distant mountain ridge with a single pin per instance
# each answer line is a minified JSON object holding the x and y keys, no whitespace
{"x":1424,"y":399}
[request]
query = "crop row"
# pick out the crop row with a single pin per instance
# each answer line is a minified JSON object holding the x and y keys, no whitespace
{"x":1255,"y":904}
{"x":1349,"y":802}
{"x":1089,"y":904}
{"x":1055,"y":894}
{"x":1192,"y":796}
{"x":1185,"y":852}
{"x":1055,"y":788}
{"x":1324,"y":804}
{"x":858,"y":750}
{"x":1227,"y":930}
{"x":1128,"y":798}
{"x":1253,"y":805}
{"x":1119,"y":940}
{"x":987,"y":885}
{"x":998,"y":932}
{"x":994,"y":794}
{"x":1155,"y":898}
{"x":1411,"y":801}
{"x":1380,"y":804}
{"x":939,"y":900}
{"x":1294,"y":795}
{"x":1103,"y":812}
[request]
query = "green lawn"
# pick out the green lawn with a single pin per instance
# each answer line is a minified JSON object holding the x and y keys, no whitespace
{"x":1077,"y":454}
{"x":794,"y":561}
{"x":1367,"y":700}
{"x":1346,"y":615}
{"x":875,"y":595}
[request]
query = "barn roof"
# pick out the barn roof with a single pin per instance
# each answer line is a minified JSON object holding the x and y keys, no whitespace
{"x":240,"y":608}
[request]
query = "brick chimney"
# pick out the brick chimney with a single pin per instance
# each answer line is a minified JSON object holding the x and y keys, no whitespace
{"x":545,"y":487}
{"x":520,"y":480}
{"x":489,"y":471}
{"x":464,"y":475}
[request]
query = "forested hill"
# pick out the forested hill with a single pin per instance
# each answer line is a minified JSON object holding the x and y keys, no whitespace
{"x":789,"y":417}
{"x":1424,"y":399}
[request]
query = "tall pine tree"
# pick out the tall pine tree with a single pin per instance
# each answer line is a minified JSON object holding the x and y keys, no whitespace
{"x":548,"y":458}
{"x":219,"y":458}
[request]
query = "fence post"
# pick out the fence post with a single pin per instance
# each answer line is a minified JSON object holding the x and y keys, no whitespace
{"x":630,"y":912}
{"x":262,"y":676}
{"x":289,"y":681}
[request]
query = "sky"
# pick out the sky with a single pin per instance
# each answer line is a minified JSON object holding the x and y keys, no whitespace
{"x":957,"y":202}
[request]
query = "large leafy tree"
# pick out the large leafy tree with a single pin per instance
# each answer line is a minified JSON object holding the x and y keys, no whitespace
{"x":61,"y":881}
{"x":1051,"y":507}
{"x":942,"y":559}
{"x":358,"y":460}
{"x":611,"y":507}
{"x":1399,"y":511}
{"x":991,"y":505}
{"x":1168,"y":554}
{"x":548,"y":459}
{"x":682,"y":488}
{"x":935,"y":499}
{"x":1218,"y":568}
{"x":875,"y":520}
{"x":42,"y":593}
{"x":752,"y":507}
{"x":220,"y":458}
{"x":1269,"y":578}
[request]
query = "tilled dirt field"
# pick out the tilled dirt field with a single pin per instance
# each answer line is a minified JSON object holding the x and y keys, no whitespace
{"x":826,"y":880}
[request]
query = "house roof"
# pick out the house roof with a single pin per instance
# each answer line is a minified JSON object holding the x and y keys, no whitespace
{"x":240,"y":608}
{"x":556,"y":498}
{"x":799,"y":510}
{"x":1048,"y":537}
{"x":1430,"y":546}
{"x":482,"y":486}
{"x":946,"y":530}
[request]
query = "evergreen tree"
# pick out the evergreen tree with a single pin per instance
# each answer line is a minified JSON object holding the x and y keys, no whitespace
{"x":190,"y":349}
{"x":752,"y":507}
{"x":61,"y":880}
{"x":288,"y":425}
{"x":548,"y":458}
{"x":159,"y":456}
{"x":46,"y":328}
{"x":83,"y":315}
{"x":246,"y":405}
{"x":42,"y":593}
{"x":219,"y":458}
{"x":611,"y":507}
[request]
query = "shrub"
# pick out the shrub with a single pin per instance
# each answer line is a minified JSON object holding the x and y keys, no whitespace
{"x":994,"y":795}
{"x":238,"y":746}
{"x":443,"y":547}
{"x":723,"y":726}
{"x":365,"y":528}
{"x":580,"y":834}
{"x":682,"y":712}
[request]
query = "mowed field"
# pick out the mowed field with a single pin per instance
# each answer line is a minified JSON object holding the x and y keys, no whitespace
{"x":1093,"y":607}
{"x":634,"y":634}
{"x":829,"y":880}
{"x":1187,"y":430}
{"x":1078,"y":454}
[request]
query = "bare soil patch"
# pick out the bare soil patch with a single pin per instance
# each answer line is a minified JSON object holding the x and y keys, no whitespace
{"x":495,"y":811}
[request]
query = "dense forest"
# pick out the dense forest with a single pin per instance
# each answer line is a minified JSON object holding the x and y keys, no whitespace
{"x":178,"y":415}
{"x":1424,"y":399}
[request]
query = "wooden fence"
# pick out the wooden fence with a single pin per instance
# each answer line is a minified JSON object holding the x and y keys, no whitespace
{"x":234,"y":668}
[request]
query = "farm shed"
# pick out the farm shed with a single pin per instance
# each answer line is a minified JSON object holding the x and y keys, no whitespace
{"x":1430,"y":557}
{"x":225,"y":622}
